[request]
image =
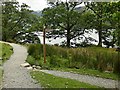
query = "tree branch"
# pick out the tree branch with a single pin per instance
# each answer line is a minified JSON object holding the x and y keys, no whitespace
{"x":92,"y":10}
{"x":61,"y":26}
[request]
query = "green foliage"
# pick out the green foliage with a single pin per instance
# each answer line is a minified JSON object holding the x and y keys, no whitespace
{"x":56,"y":61}
{"x":35,"y":50}
{"x":5,"y":52}
{"x":17,"y":20}
{"x":31,"y":60}
{"x":101,"y":59}
{"x":105,"y":21}
{"x":64,"y":16}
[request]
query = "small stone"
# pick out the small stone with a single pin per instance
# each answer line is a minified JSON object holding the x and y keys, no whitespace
{"x":33,"y":66}
{"x":107,"y":71}
{"x":1,"y":58}
{"x":25,"y":65}
{"x":29,"y":68}
{"x":38,"y":67}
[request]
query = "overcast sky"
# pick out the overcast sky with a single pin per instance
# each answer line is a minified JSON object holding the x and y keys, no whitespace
{"x":35,"y":4}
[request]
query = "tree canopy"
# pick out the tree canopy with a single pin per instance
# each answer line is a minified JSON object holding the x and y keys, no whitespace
{"x":66,"y":19}
{"x":17,"y":20}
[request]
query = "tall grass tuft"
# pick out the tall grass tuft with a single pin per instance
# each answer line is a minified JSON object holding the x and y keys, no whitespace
{"x":101,"y":59}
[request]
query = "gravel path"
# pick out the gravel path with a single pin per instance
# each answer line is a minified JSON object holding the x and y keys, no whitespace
{"x":14,"y":75}
{"x":107,"y":83}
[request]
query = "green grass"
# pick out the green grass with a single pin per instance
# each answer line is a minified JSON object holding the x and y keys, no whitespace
{"x":50,"y":81}
{"x":102,"y":59}
{"x":6,"y":51}
{"x":92,"y":61}
{"x":90,"y":72}
{"x":84,"y":71}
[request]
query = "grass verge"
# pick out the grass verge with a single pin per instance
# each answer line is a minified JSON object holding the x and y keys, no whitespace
{"x":83,"y":71}
{"x":5,"y":53}
{"x":107,"y":75}
{"x":50,"y":81}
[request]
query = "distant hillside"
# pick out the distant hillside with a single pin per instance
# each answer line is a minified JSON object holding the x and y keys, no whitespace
{"x":38,"y":13}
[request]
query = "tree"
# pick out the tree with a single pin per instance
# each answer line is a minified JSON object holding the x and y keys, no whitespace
{"x":98,"y":9}
{"x":8,"y":11}
{"x":112,"y":17}
{"x":17,"y":20}
{"x":65,"y":17}
{"x":104,"y":21}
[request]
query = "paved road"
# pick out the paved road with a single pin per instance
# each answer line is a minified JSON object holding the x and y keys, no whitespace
{"x":107,"y":83}
{"x":14,"y":75}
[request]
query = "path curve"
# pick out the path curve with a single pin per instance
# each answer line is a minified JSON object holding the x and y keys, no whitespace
{"x":14,"y":75}
{"x":101,"y":82}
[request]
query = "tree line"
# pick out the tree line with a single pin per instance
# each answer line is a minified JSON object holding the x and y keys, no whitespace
{"x":70,"y":20}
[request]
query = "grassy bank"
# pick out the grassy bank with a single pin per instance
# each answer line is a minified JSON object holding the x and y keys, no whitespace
{"x":5,"y":53}
{"x":50,"y":81}
{"x":90,"y":60}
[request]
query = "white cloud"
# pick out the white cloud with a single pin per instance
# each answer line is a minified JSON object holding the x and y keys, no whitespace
{"x":35,"y":4}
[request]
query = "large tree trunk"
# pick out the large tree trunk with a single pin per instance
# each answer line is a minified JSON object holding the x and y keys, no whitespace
{"x":68,"y":38}
{"x":100,"y":38}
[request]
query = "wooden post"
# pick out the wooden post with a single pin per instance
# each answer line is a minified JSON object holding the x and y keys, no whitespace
{"x":44,"y":47}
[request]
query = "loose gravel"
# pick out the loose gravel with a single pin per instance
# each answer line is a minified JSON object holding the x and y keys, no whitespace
{"x":14,"y":75}
{"x":101,"y":82}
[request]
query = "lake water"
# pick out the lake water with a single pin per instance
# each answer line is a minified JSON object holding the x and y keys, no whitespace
{"x":59,"y":40}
